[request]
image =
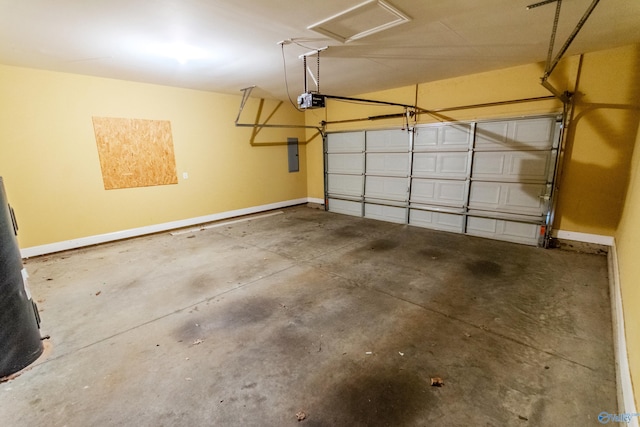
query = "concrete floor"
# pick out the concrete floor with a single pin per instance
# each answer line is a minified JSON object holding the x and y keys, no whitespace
{"x":346,"y":319}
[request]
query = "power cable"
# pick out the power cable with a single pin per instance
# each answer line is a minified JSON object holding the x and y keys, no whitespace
{"x":286,"y":83}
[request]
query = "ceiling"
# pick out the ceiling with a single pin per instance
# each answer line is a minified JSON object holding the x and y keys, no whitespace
{"x":226,"y":45}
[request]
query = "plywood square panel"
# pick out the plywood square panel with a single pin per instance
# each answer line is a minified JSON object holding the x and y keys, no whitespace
{"x":135,"y":152}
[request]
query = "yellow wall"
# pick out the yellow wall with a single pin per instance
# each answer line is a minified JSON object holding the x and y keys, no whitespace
{"x":600,"y":139}
{"x":49,"y":160}
{"x":628,"y":248}
{"x":601,"y":142}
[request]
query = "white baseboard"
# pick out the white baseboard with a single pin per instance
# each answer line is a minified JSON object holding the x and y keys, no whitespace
{"x":315,"y":200}
{"x":150,"y":229}
{"x":583,"y":237}
{"x":626,"y":400}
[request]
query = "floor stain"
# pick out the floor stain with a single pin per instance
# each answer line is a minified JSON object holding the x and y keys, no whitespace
{"x":202,"y":281}
{"x":249,"y":385}
{"x":347,"y":232}
{"x":378,"y":398}
{"x":238,"y":314}
{"x":381,"y":245}
{"x":248,"y":311}
{"x":484,"y":268}
{"x":189,"y":331}
{"x":430,"y":253}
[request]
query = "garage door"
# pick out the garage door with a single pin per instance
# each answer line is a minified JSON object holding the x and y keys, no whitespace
{"x":487,"y":178}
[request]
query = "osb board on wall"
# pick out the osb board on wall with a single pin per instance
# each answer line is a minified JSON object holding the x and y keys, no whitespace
{"x":135,"y":152}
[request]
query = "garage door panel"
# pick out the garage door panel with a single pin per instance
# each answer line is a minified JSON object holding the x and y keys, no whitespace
{"x":345,"y":207}
{"x":485,"y":194}
{"x":345,"y":163}
{"x":387,"y":140}
{"x":385,"y":213}
{"x":528,"y":165}
{"x":441,"y":165}
{"x":526,"y":134}
{"x":426,"y":138}
{"x":534,"y":132}
{"x":394,"y":164}
{"x":511,"y":231}
{"x":490,"y":179}
{"x":440,"y":192}
{"x":386,"y":188}
{"x":345,"y":142}
{"x":436,"y":220}
{"x":492,"y":135}
{"x":454,"y":137}
{"x":347,"y":185}
{"x":489,"y":164}
{"x":512,"y":165}
{"x":525,"y":199}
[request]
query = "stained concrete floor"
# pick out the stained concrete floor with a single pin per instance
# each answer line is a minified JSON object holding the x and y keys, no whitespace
{"x":346,"y":319}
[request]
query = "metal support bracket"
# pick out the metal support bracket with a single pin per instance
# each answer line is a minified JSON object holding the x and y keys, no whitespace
{"x":550,"y":65}
{"x":246,"y":92}
{"x":565,"y":96}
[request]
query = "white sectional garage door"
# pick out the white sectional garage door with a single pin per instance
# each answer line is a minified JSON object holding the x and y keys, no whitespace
{"x":490,"y":179}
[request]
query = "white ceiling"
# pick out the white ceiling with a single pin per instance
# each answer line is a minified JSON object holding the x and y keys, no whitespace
{"x":235,"y":42}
